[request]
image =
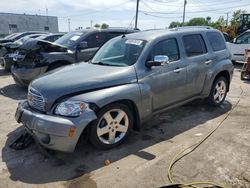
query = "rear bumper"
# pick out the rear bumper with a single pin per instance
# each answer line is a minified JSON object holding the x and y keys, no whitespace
{"x":51,"y":131}
{"x":239,"y":58}
{"x":23,"y":76}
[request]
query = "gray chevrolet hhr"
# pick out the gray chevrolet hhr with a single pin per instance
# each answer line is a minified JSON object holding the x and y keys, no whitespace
{"x":131,"y":78}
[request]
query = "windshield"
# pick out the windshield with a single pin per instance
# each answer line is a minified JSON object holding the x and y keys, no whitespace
{"x":119,"y":52}
{"x":70,"y":39}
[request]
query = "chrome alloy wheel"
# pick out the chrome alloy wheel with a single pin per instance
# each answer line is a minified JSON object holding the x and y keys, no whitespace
{"x":220,"y":91}
{"x":112,"y":126}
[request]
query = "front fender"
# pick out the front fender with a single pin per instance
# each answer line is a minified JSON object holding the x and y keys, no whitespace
{"x":113,"y":94}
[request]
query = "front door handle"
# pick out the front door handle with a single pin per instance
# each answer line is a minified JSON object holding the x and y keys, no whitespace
{"x":208,"y":62}
{"x":177,"y":70}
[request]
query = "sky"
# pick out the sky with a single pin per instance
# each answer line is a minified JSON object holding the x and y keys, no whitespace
{"x":121,"y":13}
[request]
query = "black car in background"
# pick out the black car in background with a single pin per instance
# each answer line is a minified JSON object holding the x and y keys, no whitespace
{"x":52,"y":37}
{"x":15,"y":36}
{"x":7,"y":50}
{"x":36,"y":57}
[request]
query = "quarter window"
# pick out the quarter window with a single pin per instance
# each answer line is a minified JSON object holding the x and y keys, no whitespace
{"x":167,"y":47}
{"x":216,"y":41}
{"x":194,"y":45}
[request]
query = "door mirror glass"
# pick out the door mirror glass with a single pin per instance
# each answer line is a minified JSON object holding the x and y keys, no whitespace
{"x":83,"y":45}
{"x":161,"y":59}
{"x":158,"y":61}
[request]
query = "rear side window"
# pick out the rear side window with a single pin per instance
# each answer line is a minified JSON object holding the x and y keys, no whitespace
{"x":216,"y":41}
{"x":167,"y":47}
{"x":194,"y":45}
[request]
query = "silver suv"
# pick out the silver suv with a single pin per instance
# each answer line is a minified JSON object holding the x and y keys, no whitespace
{"x":131,"y":78}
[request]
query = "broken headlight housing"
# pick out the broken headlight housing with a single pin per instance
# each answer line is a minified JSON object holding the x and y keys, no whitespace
{"x":71,"y":108}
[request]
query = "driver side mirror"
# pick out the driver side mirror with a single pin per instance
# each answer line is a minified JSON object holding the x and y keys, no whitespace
{"x":83,"y":45}
{"x":158,"y":61}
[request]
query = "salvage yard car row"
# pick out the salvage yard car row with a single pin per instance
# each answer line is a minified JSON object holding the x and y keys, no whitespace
{"x":129,"y":79}
{"x":10,"y":45}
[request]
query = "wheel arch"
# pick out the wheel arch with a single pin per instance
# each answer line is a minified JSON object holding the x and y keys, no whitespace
{"x":224,"y":74}
{"x":132,"y":106}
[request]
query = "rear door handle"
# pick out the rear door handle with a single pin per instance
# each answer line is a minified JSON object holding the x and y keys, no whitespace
{"x":177,"y":70}
{"x":208,"y":62}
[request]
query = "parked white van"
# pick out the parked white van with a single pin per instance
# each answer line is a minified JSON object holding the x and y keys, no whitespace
{"x":238,"y":46}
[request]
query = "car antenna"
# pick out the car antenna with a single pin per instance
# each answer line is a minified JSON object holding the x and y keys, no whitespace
{"x":124,"y":34}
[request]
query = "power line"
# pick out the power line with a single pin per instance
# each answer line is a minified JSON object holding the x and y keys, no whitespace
{"x":97,"y":11}
{"x":193,"y":4}
{"x":200,"y":11}
{"x":148,"y":14}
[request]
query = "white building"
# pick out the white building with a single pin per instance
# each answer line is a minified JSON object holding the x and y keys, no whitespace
{"x":12,"y":23}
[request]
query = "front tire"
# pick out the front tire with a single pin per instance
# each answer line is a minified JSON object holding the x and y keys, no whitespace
{"x":218,"y":92}
{"x":112,"y":126}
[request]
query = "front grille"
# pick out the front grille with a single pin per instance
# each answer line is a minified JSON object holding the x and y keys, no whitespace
{"x":36,"y":100}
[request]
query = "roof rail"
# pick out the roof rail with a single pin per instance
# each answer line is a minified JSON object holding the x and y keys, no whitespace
{"x":191,"y":27}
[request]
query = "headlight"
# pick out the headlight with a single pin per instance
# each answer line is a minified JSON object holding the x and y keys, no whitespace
{"x":71,"y":108}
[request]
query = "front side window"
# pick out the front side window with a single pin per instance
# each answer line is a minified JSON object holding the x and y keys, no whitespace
{"x":167,"y":47}
{"x":216,"y":41}
{"x":244,"y":38}
{"x":96,"y":40}
{"x":194,"y":45}
{"x":119,"y":52}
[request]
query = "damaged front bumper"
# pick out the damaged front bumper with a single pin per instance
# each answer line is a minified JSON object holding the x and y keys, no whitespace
{"x":53,"y":132}
{"x":23,"y":75}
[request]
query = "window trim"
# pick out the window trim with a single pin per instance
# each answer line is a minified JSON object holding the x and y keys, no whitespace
{"x":202,"y":38}
{"x":177,"y":44}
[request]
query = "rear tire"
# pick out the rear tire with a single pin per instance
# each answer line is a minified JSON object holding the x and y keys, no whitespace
{"x":218,"y":92}
{"x":6,"y":67}
{"x":112,"y":126}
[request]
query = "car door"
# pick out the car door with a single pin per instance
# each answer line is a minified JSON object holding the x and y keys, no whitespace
{"x":167,"y":82}
{"x":95,"y":41}
{"x":239,"y":46}
{"x":198,"y":61}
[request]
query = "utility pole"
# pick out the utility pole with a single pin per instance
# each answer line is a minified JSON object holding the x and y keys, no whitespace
{"x":136,"y":14}
{"x":227,"y":18}
{"x":69,"y":24}
{"x":184,"y":11}
{"x":91,"y":23}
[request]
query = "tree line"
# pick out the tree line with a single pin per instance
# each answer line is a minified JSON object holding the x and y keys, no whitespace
{"x":218,"y":24}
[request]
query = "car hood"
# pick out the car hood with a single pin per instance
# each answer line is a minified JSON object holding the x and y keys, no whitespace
{"x":80,"y":78}
{"x":36,"y":44}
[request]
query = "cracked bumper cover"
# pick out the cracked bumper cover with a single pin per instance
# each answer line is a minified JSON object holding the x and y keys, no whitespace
{"x":51,"y":131}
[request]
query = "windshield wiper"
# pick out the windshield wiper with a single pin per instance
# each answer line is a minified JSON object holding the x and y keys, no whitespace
{"x":101,"y":63}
